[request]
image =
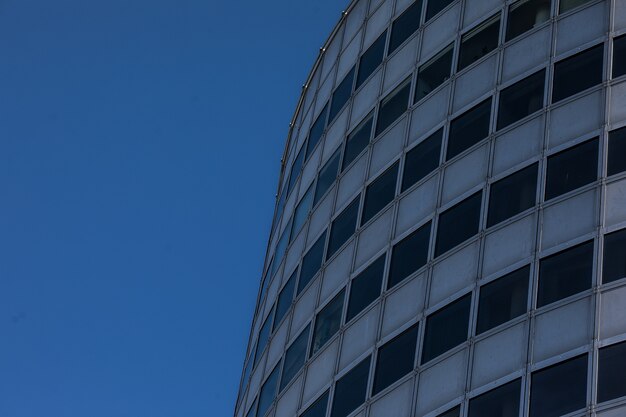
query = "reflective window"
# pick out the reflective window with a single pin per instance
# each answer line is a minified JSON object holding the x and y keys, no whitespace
{"x":565,"y":273}
{"x":268,"y":392}
{"x":619,"y":56}
{"x":567,"y":73}
{"x":617,"y":151}
{"x":479,"y":42}
{"x":380,"y":193}
{"x":469,"y":128}
{"x":446,"y":328}
{"x":366,"y":287}
{"x":409,"y":255}
{"x":512,"y":195}
{"x":565,"y":5}
{"x":612,"y":372}
{"x":422,"y":159}
{"x":315,"y":134}
{"x":343,"y":227}
{"x":285,"y":298}
{"x":294,"y":357}
{"x":572,"y":168}
{"x":559,"y":389}
{"x":357,"y":140}
{"x":521,"y":99}
{"x":433,"y":73}
{"x":302,"y":212}
{"x":327,"y":176}
{"x":525,"y":15}
{"x":295,"y":170}
{"x":435,"y":6}
{"x":455,"y":412}
{"x":264,"y":335}
{"x":614,"y":266}
{"x":393,"y":106}
{"x":503,"y":299}
{"x":499,"y":402}
{"x":327,"y":322}
{"x":371,"y":59}
{"x":341,"y":95}
{"x":405,"y":25}
{"x":458,"y":223}
{"x":351,"y":389}
{"x":311,"y":262}
{"x":396,"y":358}
{"x":318,"y":408}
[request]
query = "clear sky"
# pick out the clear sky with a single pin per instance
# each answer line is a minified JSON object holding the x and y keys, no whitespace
{"x":139,"y":153}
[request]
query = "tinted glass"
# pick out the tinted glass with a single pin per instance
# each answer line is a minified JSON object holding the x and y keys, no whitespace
{"x":446,"y":328}
{"x":559,"y":389}
{"x":572,"y":168}
{"x":405,"y":25}
{"x":433,"y":73}
{"x":568,"y":74}
{"x":409,"y":255}
{"x":294,"y":358}
{"x":521,"y":99}
{"x":469,"y":128}
{"x":366,"y":287}
{"x":380,"y":193}
{"x":327,"y":322}
{"x":327,"y":176}
{"x":395,"y":359}
{"x":393,"y":106}
{"x":285,"y":298}
{"x":357,"y":140}
{"x":311,"y":262}
{"x":295,"y":169}
{"x":612,"y":372}
{"x":350,"y":390}
{"x":617,"y":151}
{"x":315,"y":134}
{"x":565,"y":5}
{"x":318,"y":408}
{"x":525,"y":15}
{"x":343,"y":227}
{"x":435,"y":6}
{"x":268,"y":392}
{"x":458,"y":223}
{"x":455,"y":412}
{"x":479,"y":42}
{"x":619,"y":56}
{"x":565,"y":273}
{"x":614,"y":267}
{"x":422,"y":159}
{"x":264,"y":335}
{"x":302,"y":212}
{"x":341,"y":95}
{"x":371,"y":59}
{"x":512,"y":195}
{"x":499,"y":402}
{"x":503,"y":299}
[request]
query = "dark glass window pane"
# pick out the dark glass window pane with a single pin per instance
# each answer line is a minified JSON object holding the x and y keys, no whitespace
{"x":357,"y":140}
{"x":341,"y":95}
{"x":499,"y":402}
{"x":435,"y":6}
{"x":566,"y":5}
{"x":371,"y":59}
{"x":351,"y":389}
{"x":295,"y":169}
{"x":521,"y":99}
{"x":469,"y":128}
{"x":343,"y":227}
{"x":285,"y":298}
{"x":433,"y":73}
{"x":617,"y":151}
{"x":422,"y":159}
{"x":614,"y":256}
{"x":395,"y":359}
{"x":559,"y":389}
{"x":327,"y":322}
{"x":405,"y":25}
{"x":446,"y":328}
{"x":503,"y":299}
{"x":409,"y":255}
{"x":619,"y":56}
{"x":525,"y":15}
{"x":312,"y":262}
{"x":315,"y":134}
{"x":393,"y":106}
{"x":568,"y":73}
{"x":302,"y":212}
{"x":327,"y":176}
{"x":479,"y":42}
{"x":380,"y":193}
{"x":512,"y":195}
{"x":565,"y":273}
{"x":612,"y":372}
{"x":294,"y":357}
{"x":572,"y":168}
{"x":455,"y":412}
{"x":458,"y":223}
{"x":268,"y":392}
{"x":264,"y":335}
{"x":318,"y":408}
{"x":366,"y":287}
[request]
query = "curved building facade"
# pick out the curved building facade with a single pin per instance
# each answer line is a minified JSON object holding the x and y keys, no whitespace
{"x":449,"y":237}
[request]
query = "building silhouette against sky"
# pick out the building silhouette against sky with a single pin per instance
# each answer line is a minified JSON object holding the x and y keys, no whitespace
{"x":449,"y":236}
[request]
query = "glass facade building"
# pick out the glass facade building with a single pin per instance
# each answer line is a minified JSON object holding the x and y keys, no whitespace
{"x":449,"y":237}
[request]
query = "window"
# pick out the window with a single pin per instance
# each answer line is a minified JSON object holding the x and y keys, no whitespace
{"x":433,"y":73}
{"x":371,"y":59}
{"x":521,"y":99}
{"x":559,"y":389}
{"x":284,"y":299}
{"x":252,"y":410}
{"x":566,"y":5}
{"x":302,"y":212}
{"x":380,"y":193}
{"x":395,"y":359}
{"x":295,"y":170}
{"x":455,"y":412}
{"x":294,"y":358}
{"x":311,"y":262}
{"x":499,"y":402}
{"x":469,"y":128}
{"x":611,"y":371}
{"x":565,"y":273}
{"x":405,"y":25}
{"x":503,"y":299}
{"x":422,"y":159}
{"x":619,"y":56}
{"x":327,"y":176}
{"x":525,"y":15}
{"x":393,"y":106}
{"x":435,"y":6}
{"x":327,"y":322}
{"x":318,"y":408}
{"x":366,"y":287}
{"x":446,"y":328}
{"x":409,"y":255}
{"x":343,"y":227}
{"x":357,"y":140}
{"x":512,"y":195}
{"x":458,"y":223}
{"x":341,"y":95}
{"x":567,"y":73}
{"x":264,"y":335}
{"x":479,"y":42}
{"x":572,"y":168}
{"x":617,"y":151}
{"x":281,"y":247}
{"x":351,"y":389}
{"x":268,"y":392}
{"x":315,"y":134}
{"x":614,"y":266}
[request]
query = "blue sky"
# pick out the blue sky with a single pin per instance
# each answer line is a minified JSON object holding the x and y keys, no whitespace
{"x":139,"y":153}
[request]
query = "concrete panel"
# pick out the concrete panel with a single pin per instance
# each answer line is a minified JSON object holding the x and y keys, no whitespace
{"x":576,"y":118}
{"x":465,"y":174}
{"x":287,"y":405}
{"x":400,"y":64}
{"x":397,"y":403}
{"x":365,"y":99}
{"x":320,"y":371}
{"x":580,"y":28}
{"x":475,"y":82}
{"x":440,"y":32}
{"x":509,"y":244}
{"x":359,"y":337}
{"x":613,"y":313}
{"x":429,"y":113}
{"x":441,"y":383}
{"x":526,"y":53}
{"x":417,"y":205}
{"x":377,"y":22}
{"x":615,"y":203}
{"x":387,"y":148}
{"x":404,"y":304}
{"x":518,"y":145}
{"x":374,"y":238}
{"x":454,"y":273}
{"x":568,"y":219}
{"x":337,"y":272}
